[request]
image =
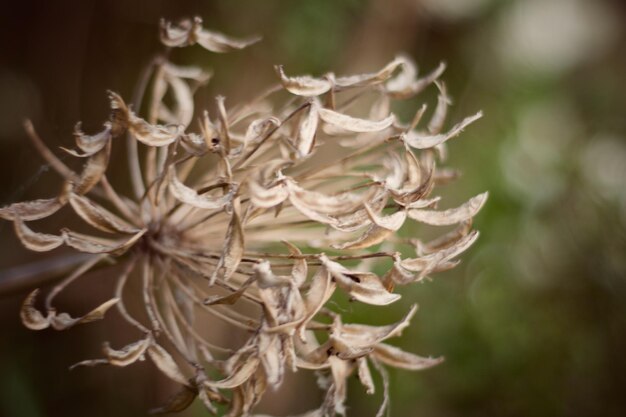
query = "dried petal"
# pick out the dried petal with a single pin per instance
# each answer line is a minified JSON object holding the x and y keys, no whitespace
{"x":31,"y":317}
{"x":38,"y":242}
{"x":353,"y":124}
{"x":31,"y":210}
{"x":92,"y":244}
{"x":64,"y":321}
{"x":98,"y":216}
{"x":190,"y":196}
{"x":304,"y":85}
{"x":90,"y":144}
{"x":166,"y":364}
{"x":363,"y":286}
{"x":396,"y":357}
{"x":93,"y":171}
{"x":233,"y":246}
{"x":128,"y":354}
{"x":365,"y":376}
{"x":451,"y":216}
{"x":429,"y":261}
{"x":363,"y":80}
{"x":427,"y":141}
{"x":238,"y":377}
{"x":307,"y":130}
{"x":218,"y":42}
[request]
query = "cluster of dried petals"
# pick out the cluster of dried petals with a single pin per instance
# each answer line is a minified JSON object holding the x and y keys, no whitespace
{"x":250,"y":220}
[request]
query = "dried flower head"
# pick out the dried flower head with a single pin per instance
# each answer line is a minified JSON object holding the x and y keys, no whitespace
{"x":251,"y":219}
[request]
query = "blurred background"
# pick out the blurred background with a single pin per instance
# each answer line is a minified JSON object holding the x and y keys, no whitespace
{"x":533,"y":322}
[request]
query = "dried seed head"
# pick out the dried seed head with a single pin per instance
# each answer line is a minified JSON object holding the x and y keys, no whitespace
{"x":210,"y":206}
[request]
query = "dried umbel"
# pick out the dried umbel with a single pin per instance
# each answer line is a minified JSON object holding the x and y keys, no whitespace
{"x":255,"y":220}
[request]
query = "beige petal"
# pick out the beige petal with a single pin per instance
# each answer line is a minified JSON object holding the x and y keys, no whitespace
{"x":329,"y":204}
{"x":38,"y":242}
{"x":128,"y":354}
{"x":177,"y":35}
{"x":272,"y":358}
{"x":233,"y":246}
{"x":360,"y":336}
{"x":98,"y":216}
{"x":431,"y":260}
{"x":405,"y":85}
{"x":267,"y":197}
{"x":365,"y":376}
{"x":353,"y":124}
{"x":164,"y":361}
{"x":153,"y":135}
{"x":426,"y":141}
{"x":362,"y":286}
{"x":218,"y":42}
{"x":372,"y":236}
{"x":31,"y":210}
{"x":451,"y":216}
{"x":439,"y":116}
{"x":64,"y":321}
{"x":396,"y":357}
{"x":238,"y":377}
{"x":31,"y":317}
{"x":305,"y":85}
{"x":391,"y":222}
{"x":190,"y":196}
{"x":94,"y":170}
{"x":90,"y":144}
{"x":320,"y":291}
{"x":363,"y":80}
{"x":307,"y":130}
{"x":299,"y":271}
{"x":91,"y":244}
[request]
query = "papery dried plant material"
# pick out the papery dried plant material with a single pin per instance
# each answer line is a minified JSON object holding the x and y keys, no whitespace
{"x":188,"y":32}
{"x":451,"y":216}
{"x":235,"y":224}
{"x":31,"y":317}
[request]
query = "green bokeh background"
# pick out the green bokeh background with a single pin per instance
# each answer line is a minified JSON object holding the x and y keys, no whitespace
{"x":533,"y":322}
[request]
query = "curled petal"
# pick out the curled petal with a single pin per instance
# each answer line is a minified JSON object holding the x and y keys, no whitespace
{"x":92,"y":244}
{"x":166,"y":364}
{"x":90,"y":144}
{"x":218,"y":42}
{"x":427,"y":262}
{"x":31,"y":210}
{"x":363,"y":286}
{"x":64,"y":321}
{"x":363,"y":80}
{"x":38,"y":242}
{"x":128,"y":354}
{"x":93,"y":171}
{"x":353,"y":124}
{"x":233,"y":246}
{"x":98,"y":216}
{"x":238,"y":377}
{"x":307,"y":130}
{"x":190,"y":196}
{"x":451,"y":216}
{"x":31,"y":317}
{"x":406,"y":85}
{"x":396,"y":357}
{"x":427,"y":141}
{"x":304,"y":85}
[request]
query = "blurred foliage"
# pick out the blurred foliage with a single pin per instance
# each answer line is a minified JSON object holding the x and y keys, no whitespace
{"x":533,"y":323}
